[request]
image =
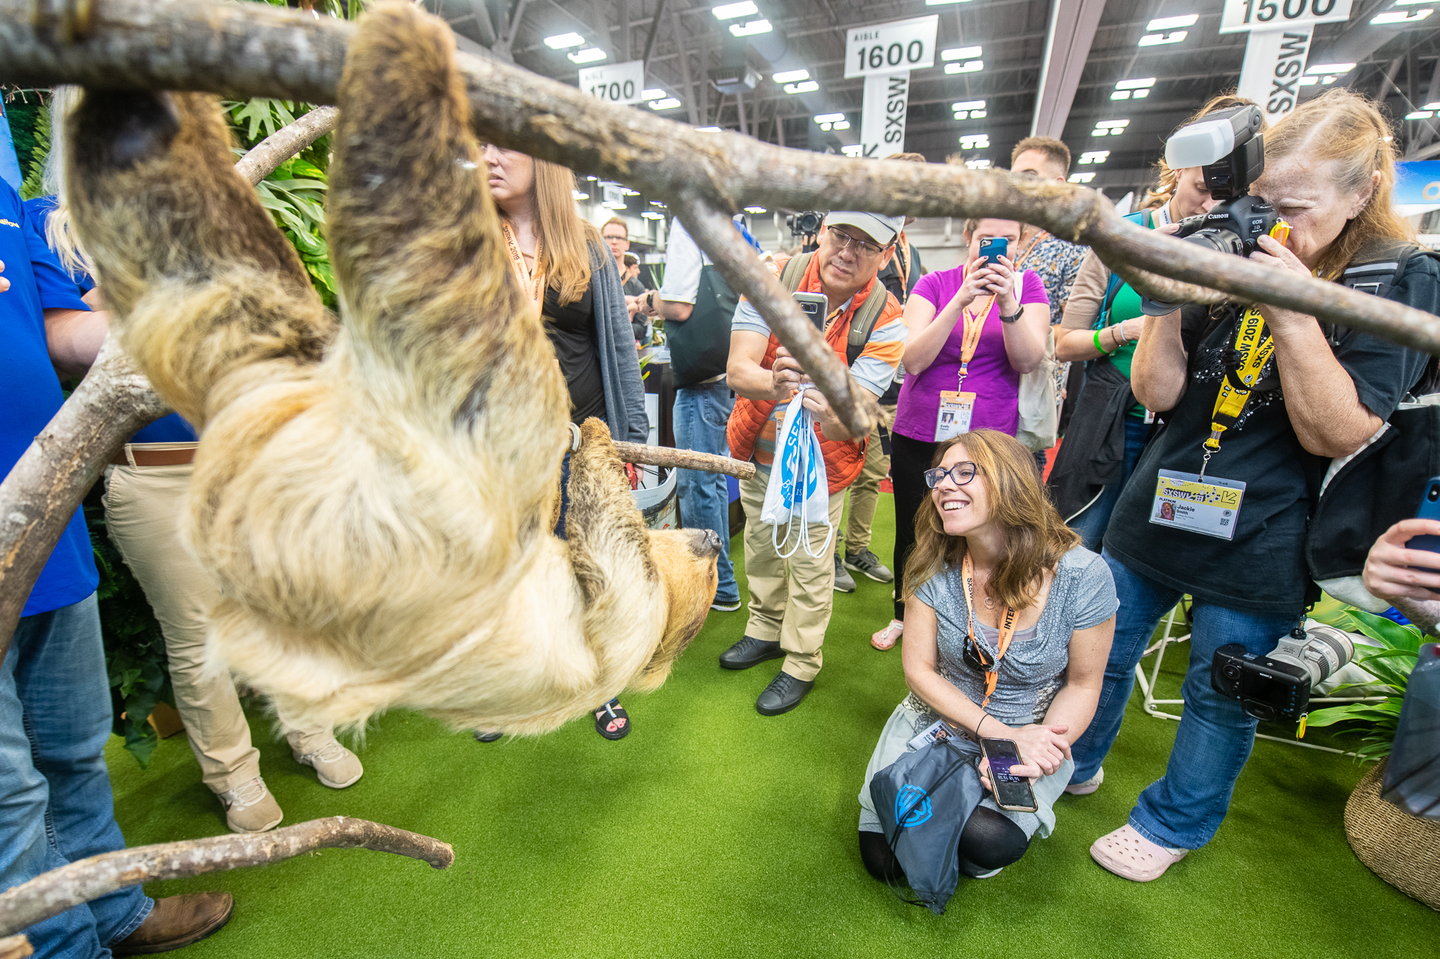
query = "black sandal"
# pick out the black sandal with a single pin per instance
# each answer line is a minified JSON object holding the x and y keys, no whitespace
{"x":612,"y":712}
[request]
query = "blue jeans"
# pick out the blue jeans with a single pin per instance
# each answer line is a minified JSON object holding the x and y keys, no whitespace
{"x":1092,"y":523}
{"x":1184,"y":807}
{"x":55,"y":798}
{"x":701,"y":413}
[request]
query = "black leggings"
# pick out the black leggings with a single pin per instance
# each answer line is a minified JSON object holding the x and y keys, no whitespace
{"x":909,"y":459}
{"x":988,"y":841}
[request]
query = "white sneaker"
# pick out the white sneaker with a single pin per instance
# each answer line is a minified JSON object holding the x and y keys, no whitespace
{"x":249,"y":807}
{"x":1089,"y":785}
{"x":336,"y":766}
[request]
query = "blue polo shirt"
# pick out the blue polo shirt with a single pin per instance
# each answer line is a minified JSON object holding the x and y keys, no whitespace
{"x":169,"y":429}
{"x":29,"y":389}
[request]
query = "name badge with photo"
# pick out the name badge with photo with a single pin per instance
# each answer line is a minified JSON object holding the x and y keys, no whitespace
{"x":956,"y":409}
{"x":1209,"y":507}
{"x":938,"y":731}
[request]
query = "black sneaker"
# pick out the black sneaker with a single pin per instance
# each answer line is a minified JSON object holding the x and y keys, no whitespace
{"x":784,"y":693}
{"x":844,"y":582}
{"x":750,"y":652}
{"x":868,"y":563}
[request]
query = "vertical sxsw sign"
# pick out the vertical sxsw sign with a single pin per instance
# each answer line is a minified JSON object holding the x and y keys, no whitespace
{"x":884,"y":55}
{"x":1279,"y":44}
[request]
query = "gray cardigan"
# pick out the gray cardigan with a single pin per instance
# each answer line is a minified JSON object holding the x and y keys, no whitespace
{"x":615,"y":349}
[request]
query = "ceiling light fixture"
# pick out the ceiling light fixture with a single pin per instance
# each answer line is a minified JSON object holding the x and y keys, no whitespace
{"x":564,"y":41}
{"x":1093,"y":156}
{"x":755,"y":209}
{"x":1339,"y":69}
{"x":1109,"y":128}
{"x":751,"y":29}
{"x":975,"y":141}
{"x":652,"y":215}
{"x":806,"y":86}
{"x":853,"y":150}
{"x":1156,"y":39}
{"x":652,"y":94}
{"x":579,"y":195}
{"x":669,"y":103}
{"x":729,"y":11}
{"x":969,"y":110}
{"x":1420,"y":115}
{"x":1395,"y":17}
{"x":1173,"y":23}
{"x":791,"y":76}
{"x":1432,"y":105}
{"x":969,"y":66}
{"x":588,"y":55}
{"x":977,"y":164}
{"x":941,"y":3}
{"x":1081,"y":177}
{"x":960,"y":53}
{"x":709,"y":130}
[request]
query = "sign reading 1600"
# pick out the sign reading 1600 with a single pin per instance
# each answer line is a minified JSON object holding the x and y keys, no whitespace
{"x":1262,"y":15}
{"x":891,"y":47}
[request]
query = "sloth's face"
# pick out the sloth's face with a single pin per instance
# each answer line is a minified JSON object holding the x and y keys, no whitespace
{"x":686,"y":560}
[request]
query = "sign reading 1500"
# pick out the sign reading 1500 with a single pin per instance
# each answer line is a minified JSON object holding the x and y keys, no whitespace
{"x":1260,"y":15}
{"x":891,"y":47}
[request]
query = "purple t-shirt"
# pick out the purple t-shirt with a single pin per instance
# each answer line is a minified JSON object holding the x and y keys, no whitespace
{"x":991,"y":378}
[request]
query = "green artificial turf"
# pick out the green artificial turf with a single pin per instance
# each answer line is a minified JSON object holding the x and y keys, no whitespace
{"x":714,"y":831}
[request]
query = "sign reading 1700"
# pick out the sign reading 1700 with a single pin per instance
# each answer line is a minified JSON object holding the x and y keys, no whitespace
{"x":1242,"y":16}
{"x":891,"y":47}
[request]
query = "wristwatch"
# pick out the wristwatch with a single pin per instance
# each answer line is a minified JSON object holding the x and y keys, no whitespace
{"x":650,"y":302}
{"x":1014,"y":317}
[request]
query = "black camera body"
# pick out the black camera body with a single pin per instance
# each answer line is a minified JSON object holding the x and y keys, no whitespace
{"x":806,"y":223}
{"x":1267,"y":689}
{"x":1234,"y":226}
{"x":1276,"y":688}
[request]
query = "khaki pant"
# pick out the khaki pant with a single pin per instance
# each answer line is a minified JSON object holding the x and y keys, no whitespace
{"x":865,"y":492}
{"x":790,"y":599}
{"x":142,"y":513}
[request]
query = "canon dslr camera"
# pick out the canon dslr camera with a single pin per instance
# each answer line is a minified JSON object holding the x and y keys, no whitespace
{"x":1276,"y":687}
{"x":1230,"y":149}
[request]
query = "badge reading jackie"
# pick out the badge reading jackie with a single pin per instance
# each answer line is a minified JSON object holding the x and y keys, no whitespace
{"x":1210,"y":506}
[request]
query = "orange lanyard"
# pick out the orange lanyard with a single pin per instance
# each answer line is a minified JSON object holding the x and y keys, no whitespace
{"x":974,"y":326}
{"x":1030,"y":248}
{"x":901,"y":256}
{"x":1007,"y":628}
{"x":533,"y":283}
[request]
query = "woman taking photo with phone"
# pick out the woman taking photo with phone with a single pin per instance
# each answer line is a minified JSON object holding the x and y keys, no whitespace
{"x":1008,"y":623}
{"x":1315,"y":393}
{"x":972,"y":332}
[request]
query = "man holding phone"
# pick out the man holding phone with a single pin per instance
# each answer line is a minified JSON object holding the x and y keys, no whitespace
{"x":791,"y":598}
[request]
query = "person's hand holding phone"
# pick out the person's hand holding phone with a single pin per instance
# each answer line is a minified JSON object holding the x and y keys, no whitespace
{"x":1395,"y":571}
{"x":998,"y":278}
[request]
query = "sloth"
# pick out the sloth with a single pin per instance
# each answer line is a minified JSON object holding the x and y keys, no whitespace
{"x":374,"y":495}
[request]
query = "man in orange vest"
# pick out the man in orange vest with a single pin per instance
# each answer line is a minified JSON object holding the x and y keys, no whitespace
{"x":791,"y":599}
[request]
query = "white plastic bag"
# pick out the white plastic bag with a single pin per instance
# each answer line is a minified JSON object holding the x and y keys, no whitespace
{"x":799,"y":489}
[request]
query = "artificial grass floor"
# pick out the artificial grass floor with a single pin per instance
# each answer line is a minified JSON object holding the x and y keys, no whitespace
{"x":713,"y":831}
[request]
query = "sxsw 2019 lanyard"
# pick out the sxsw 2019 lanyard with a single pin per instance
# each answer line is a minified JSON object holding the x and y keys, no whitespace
{"x":1211,"y":507}
{"x":532,"y":282}
{"x":956,"y":406}
{"x":1007,"y":629}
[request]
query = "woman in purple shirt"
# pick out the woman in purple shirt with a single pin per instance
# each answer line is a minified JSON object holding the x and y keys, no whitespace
{"x":973,"y":331}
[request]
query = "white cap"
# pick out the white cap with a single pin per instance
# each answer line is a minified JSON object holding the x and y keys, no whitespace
{"x":880,"y":228}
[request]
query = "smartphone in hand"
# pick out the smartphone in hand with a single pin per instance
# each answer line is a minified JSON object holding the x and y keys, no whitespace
{"x":994,"y":248}
{"x":1429,"y":509}
{"x":1011,"y":792}
{"x":813,"y":305}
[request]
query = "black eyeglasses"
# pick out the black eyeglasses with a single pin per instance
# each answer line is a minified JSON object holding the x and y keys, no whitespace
{"x":960,"y":474}
{"x":861,"y":246}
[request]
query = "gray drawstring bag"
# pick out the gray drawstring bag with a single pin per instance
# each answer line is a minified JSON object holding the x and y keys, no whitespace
{"x":1412,"y":776}
{"x":924,"y":799}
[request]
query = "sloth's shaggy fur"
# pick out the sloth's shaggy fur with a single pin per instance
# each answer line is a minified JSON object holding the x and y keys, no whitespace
{"x":374,"y":497}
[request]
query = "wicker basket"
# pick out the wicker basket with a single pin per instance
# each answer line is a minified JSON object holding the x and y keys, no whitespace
{"x":1402,"y":849}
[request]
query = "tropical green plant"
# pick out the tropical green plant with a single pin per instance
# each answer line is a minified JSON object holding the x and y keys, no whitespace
{"x":33,"y":184}
{"x":1390,"y":663}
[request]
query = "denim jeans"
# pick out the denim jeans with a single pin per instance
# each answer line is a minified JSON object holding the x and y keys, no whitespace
{"x":1092,"y":523}
{"x":55,"y":799}
{"x":701,"y":413}
{"x":1184,"y":807}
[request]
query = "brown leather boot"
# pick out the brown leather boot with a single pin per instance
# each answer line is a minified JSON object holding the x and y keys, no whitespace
{"x":177,"y":921}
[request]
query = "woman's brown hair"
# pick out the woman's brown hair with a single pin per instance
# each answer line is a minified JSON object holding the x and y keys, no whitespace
{"x":564,"y":237}
{"x":1035,"y":535}
{"x":1347,"y":129}
{"x":1168,"y":178}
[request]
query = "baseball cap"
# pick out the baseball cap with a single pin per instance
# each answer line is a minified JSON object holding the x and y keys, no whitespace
{"x":880,"y":228}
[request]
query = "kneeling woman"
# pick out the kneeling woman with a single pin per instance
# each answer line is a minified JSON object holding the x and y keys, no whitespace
{"x":988,"y":531}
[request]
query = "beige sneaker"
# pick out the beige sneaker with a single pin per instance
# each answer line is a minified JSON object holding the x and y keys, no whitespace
{"x":249,"y":807}
{"x":337,"y":766}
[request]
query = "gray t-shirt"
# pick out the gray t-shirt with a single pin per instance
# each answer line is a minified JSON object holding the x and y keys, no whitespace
{"x":1033,"y":669}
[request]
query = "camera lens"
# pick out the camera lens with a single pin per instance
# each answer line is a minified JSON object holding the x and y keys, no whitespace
{"x":1221,"y":241}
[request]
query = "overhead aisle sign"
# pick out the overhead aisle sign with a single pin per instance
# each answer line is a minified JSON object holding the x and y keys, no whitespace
{"x":882,"y":118}
{"x":616,"y":82}
{"x":884,"y":54}
{"x":1274,"y":63}
{"x":1241,"y":16}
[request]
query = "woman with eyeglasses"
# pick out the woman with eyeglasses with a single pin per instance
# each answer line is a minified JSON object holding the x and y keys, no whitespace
{"x":973,"y":331}
{"x":1008,"y":623}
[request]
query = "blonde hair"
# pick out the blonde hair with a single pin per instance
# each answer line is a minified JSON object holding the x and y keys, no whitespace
{"x":59,"y":235}
{"x":1346,"y":129}
{"x":1167,"y":178}
{"x":564,"y":237}
{"x":1035,"y":536}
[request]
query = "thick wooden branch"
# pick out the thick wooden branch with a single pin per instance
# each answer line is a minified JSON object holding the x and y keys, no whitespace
{"x":59,"y":889}
{"x":41,"y":493}
{"x":284,"y":143}
{"x":684,"y":459}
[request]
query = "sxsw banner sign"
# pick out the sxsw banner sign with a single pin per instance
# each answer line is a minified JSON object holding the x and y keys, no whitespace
{"x":1242,"y":16}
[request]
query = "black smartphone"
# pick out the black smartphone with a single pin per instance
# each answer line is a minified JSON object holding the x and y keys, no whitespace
{"x":1429,"y":509}
{"x":813,"y":305}
{"x":1011,"y":792}
{"x":994,"y":248}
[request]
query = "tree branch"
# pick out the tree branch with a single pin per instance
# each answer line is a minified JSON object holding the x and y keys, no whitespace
{"x":284,"y":143}
{"x":41,"y":493}
{"x":645,"y":455}
{"x":53,"y":892}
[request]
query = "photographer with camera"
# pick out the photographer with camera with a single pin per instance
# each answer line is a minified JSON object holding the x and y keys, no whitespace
{"x":1256,"y":401}
{"x":1108,"y":430}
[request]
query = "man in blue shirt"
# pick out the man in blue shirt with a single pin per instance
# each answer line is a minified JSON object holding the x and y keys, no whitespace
{"x":55,"y":798}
